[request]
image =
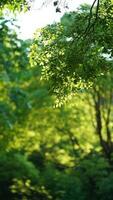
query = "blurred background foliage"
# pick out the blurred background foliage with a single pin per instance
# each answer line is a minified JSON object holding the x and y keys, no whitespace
{"x":52,"y":149}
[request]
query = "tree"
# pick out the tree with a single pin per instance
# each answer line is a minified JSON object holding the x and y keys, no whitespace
{"x":72,"y":61}
{"x":68,"y":56}
{"x":103,"y":103}
{"x":15,"y":5}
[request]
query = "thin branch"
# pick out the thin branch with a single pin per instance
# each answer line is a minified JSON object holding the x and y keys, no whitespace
{"x":90,"y":16}
{"x":90,"y":26}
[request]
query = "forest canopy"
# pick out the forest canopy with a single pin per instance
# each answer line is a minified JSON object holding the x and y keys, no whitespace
{"x":52,"y":149}
{"x":70,"y":55}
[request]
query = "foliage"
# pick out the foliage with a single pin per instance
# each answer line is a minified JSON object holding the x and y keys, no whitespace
{"x":15,"y":4}
{"x":14,"y":166}
{"x":62,"y":152}
{"x":11,"y":67}
{"x":69,"y":57}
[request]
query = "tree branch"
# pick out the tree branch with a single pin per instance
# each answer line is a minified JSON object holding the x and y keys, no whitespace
{"x":90,"y":26}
